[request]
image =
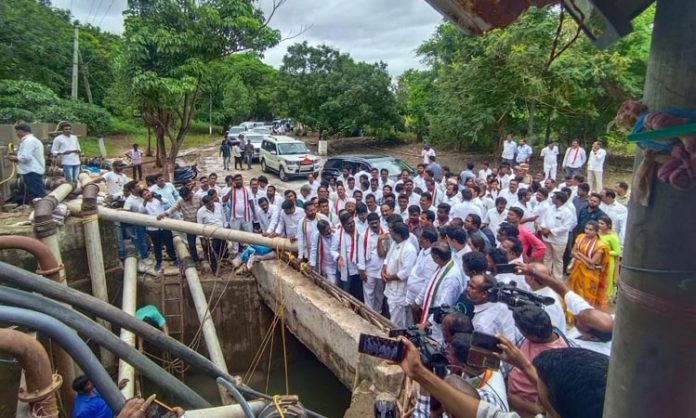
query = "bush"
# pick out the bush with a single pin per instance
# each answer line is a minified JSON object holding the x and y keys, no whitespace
{"x":25,"y":95}
{"x":13,"y":114}
{"x":97,"y":119}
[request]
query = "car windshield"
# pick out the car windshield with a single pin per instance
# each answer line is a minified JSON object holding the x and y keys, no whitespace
{"x":236,"y":130}
{"x":292,"y":148}
{"x":255,"y":139}
{"x":394,"y":165}
{"x":262,"y":130}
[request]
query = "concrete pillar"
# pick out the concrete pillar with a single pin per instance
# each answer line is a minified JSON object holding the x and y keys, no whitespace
{"x":652,"y":370}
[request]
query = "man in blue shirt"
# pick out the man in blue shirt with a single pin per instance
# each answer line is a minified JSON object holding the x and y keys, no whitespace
{"x":166,"y":190}
{"x":88,"y":401}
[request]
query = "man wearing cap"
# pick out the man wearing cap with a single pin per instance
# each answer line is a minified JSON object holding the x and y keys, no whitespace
{"x":67,"y":147}
{"x":31,"y":164}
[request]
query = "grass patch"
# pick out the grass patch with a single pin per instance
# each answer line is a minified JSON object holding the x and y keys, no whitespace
{"x":90,"y":147}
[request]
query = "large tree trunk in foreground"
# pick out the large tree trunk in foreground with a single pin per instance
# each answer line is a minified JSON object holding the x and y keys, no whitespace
{"x":653,"y":366}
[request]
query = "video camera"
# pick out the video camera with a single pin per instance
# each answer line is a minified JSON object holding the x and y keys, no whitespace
{"x":431,"y":356}
{"x":513,"y":297}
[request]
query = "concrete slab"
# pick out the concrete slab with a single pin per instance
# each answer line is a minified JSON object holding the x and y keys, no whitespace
{"x":330,"y":330}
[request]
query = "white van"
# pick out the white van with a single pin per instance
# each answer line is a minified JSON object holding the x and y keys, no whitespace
{"x":288,"y":157}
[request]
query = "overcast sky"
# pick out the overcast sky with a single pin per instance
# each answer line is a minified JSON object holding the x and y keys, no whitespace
{"x":370,"y":30}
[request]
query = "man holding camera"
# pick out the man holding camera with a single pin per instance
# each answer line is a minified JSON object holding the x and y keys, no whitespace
{"x":489,"y":317}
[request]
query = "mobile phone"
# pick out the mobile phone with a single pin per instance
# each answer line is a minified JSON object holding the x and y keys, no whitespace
{"x":485,"y":341}
{"x":482,"y":359}
{"x":386,"y":348}
{"x":158,"y":409}
{"x":507,"y":268}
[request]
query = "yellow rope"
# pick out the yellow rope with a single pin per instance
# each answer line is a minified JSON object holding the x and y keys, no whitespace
{"x":277,"y":405}
{"x":11,"y":176}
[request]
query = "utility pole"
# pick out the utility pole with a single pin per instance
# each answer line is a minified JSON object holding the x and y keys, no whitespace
{"x":210,"y":115}
{"x":85,"y":79}
{"x":652,"y":368}
{"x":73,"y":94}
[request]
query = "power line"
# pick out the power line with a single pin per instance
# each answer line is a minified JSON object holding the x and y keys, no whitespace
{"x":108,"y":9}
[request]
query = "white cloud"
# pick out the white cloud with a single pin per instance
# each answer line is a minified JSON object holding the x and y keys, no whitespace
{"x":369,"y":30}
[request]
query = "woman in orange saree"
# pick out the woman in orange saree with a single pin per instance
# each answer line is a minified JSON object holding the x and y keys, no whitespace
{"x":590,"y":266}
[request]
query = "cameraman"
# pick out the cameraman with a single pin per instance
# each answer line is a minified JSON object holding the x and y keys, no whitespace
{"x":536,"y":286}
{"x":571,"y":382}
{"x":489,"y":317}
{"x":593,"y":328}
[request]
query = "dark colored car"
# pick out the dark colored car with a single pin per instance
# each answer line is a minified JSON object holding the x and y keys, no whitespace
{"x":334,"y":165}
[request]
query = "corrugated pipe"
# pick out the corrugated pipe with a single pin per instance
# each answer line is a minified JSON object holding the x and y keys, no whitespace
{"x":41,"y":383}
{"x":32,"y":282}
{"x":87,"y":328}
{"x":71,"y":343}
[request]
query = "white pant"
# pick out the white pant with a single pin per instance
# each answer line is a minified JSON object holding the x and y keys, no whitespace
{"x":373,"y":290}
{"x":400,"y":313}
{"x":550,"y":171}
{"x":239,"y":225}
{"x":332,"y":278}
{"x":594,"y":178}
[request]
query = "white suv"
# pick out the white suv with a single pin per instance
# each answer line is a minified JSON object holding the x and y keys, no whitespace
{"x":287,"y":156}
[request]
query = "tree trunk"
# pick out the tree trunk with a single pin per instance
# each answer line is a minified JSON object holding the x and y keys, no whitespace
{"x":149,"y":142}
{"x":531,"y":109}
{"x":656,"y":316}
{"x":161,"y":147}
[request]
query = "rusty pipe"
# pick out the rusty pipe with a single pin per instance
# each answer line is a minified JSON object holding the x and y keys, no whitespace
{"x":48,"y":265}
{"x":31,"y":355}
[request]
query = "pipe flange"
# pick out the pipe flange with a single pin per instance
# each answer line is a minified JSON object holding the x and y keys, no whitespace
{"x":37,"y":395}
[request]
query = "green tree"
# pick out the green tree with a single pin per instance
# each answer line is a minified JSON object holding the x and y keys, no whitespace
{"x":413,"y":94}
{"x":169,"y":44}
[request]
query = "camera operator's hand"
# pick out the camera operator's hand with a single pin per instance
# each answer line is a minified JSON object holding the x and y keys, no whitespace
{"x":411,"y":360}
{"x":135,"y":407}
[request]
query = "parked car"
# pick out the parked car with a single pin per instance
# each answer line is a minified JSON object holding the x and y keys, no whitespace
{"x":262,"y":130}
{"x":234,"y":131}
{"x":256,"y":140}
{"x":287,"y":156}
{"x":334,"y":165}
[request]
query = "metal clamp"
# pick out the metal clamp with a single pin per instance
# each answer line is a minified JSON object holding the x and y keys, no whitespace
{"x":37,"y":395}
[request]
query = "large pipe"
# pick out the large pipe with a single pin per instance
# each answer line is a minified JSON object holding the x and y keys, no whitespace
{"x":71,"y":343}
{"x":97,"y":334}
{"x":227,"y":411}
{"x":130,"y":294}
{"x":95,"y":259}
{"x":50,"y":267}
{"x":32,"y":282}
{"x":210,"y":336}
{"x":114,"y":215}
{"x":40,"y":389}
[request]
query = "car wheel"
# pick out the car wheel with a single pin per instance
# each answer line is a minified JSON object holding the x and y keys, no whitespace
{"x":264,"y":167}
{"x":282,"y":174}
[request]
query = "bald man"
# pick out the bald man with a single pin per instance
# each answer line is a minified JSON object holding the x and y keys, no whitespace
{"x":593,"y":328}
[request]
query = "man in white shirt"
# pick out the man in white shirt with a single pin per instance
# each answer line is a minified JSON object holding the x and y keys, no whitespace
{"x":615,"y":210}
{"x":494,"y":217}
{"x":397,"y":267}
{"x":136,"y":233}
{"x":466,"y":207}
{"x":524,"y":152}
{"x":537,"y":287}
{"x":31,"y":164}
{"x":509,"y":150}
{"x":574,"y":159}
{"x":288,"y":218}
{"x":211,"y":214}
{"x":67,"y":147}
{"x":451,"y":196}
{"x":114,"y":179}
{"x":413,"y":197}
{"x":324,"y":247}
{"x":558,"y":221}
{"x":267,"y":216}
{"x":595,"y":167}
{"x":136,"y":158}
{"x":313,"y":184}
{"x":484,"y":172}
{"x":426,"y":153}
{"x":441,"y":287}
{"x":371,"y":254}
{"x":489,"y":317}
{"x":510,"y":193}
{"x":423,"y":269}
{"x":419,"y":178}
{"x":346,"y":256}
{"x":305,"y":230}
{"x":550,"y":156}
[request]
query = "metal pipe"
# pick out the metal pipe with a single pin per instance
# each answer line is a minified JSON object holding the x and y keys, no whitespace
{"x":130,"y":295}
{"x":193,"y":228}
{"x":50,"y":267}
{"x":31,"y":355}
{"x":32,"y":282}
{"x":210,"y":336}
{"x":77,"y":348}
{"x":89,"y":329}
{"x":227,"y":411}
{"x":95,"y":259}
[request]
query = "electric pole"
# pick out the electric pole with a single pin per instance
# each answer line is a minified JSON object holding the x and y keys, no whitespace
{"x":73,"y":94}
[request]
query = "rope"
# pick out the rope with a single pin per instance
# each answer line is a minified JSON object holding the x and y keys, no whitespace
{"x":11,"y":176}
{"x":277,"y":405}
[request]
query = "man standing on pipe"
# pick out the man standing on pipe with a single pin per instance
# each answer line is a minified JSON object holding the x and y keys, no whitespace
{"x":31,"y":163}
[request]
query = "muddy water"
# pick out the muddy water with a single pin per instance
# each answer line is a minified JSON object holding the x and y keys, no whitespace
{"x":317,"y":387}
